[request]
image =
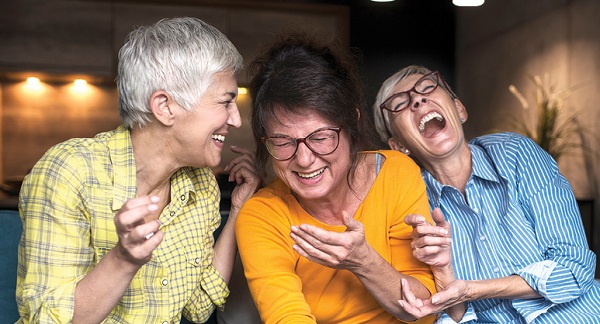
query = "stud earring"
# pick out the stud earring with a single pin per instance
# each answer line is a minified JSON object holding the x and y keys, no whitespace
{"x":407,"y":151}
{"x":462,"y":120}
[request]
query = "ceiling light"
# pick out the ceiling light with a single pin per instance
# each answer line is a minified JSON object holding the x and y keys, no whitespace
{"x":468,"y":3}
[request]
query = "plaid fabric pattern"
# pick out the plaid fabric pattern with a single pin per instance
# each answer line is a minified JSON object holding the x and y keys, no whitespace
{"x":68,"y":203}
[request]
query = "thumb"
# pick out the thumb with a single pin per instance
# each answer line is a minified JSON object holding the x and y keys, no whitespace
{"x":439,"y":218}
{"x":349,"y":221}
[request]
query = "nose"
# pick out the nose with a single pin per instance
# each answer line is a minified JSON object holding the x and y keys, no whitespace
{"x":234,"y":116}
{"x":417,"y":100}
{"x":304,"y":156}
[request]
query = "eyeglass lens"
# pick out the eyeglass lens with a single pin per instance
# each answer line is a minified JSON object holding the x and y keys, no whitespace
{"x":321,"y":142}
{"x":401,"y":100}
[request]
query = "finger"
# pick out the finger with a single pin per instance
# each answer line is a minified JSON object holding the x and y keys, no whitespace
{"x":439,"y":218}
{"x":408,"y":295}
{"x":318,"y":236}
{"x":133,"y":212}
{"x":308,"y":250}
{"x":415,"y":220}
{"x":352,"y":225}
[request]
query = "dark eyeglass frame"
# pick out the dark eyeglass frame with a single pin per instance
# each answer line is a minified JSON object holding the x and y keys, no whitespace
{"x":383,"y":106}
{"x":337,"y":130}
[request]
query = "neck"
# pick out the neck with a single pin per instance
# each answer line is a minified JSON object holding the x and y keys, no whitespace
{"x":453,"y":170}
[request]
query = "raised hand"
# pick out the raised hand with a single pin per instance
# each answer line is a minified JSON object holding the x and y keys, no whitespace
{"x":454,"y":294}
{"x":345,"y":250}
{"x":431,"y":243}
{"x":242,"y":171}
{"x":137,"y":238}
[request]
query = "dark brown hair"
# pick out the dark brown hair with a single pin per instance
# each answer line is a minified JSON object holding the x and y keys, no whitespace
{"x":299,"y":74}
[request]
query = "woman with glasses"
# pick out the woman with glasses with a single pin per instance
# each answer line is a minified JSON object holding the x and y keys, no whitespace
{"x":517,"y":242}
{"x":326,"y":241}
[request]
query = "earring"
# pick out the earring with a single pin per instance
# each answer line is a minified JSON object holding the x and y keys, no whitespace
{"x":407,"y":151}
{"x":462,"y":120}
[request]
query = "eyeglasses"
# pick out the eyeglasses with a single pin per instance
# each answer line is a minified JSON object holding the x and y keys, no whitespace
{"x":323,"y":141}
{"x":401,"y":100}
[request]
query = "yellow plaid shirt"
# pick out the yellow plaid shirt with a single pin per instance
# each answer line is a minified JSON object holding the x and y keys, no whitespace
{"x":67,"y":205}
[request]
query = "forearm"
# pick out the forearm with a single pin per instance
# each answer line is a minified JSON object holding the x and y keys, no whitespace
{"x":384,"y":284}
{"x":97,"y":294}
{"x":511,"y":287}
{"x":443,"y":276}
{"x":225,"y":248}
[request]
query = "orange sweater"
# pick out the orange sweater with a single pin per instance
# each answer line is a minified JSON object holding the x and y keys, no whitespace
{"x":288,"y":288}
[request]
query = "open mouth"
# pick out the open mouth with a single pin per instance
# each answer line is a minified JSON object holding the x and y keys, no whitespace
{"x":431,"y":124}
{"x":311,"y":175}
{"x":218,"y":138}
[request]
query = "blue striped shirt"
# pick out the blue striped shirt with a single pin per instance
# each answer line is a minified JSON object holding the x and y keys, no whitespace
{"x":519,"y":216}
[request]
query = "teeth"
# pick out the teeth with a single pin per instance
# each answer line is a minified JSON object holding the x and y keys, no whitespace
{"x":311,"y":175}
{"x":219,"y":138}
{"x":427,"y":118}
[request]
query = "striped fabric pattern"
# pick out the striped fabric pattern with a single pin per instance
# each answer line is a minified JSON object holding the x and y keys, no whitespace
{"x":519,"y":216}
{"x":68,"y":203}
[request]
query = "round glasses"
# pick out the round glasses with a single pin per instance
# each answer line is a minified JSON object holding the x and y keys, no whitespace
{"x":401,"y":100}
{"x":323,"y":141}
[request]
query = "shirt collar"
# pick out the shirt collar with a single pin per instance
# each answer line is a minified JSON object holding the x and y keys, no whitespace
{"x":481,"y":167}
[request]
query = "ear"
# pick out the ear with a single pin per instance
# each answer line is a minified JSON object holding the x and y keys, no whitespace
{"x":161,"y":107}
{"x":395,"y":145}
{"x":462,"y":111}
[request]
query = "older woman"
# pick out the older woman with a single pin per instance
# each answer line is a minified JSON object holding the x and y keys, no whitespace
{"x":326,"y":240}
{"x":518,"y":243}
{"x":119,"y":228}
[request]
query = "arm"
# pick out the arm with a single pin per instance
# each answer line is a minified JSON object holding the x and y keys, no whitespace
{"x":270,"y":264}
{"x":350,"y":251}
{"x":241,"y":170}
{"x":58,"y":277}
{"x":99,"y":291}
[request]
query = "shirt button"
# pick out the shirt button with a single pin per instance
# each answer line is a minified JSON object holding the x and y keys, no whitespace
{"x":182,"y":197}
{"x":165,"y":282}
{"x":482,"y":238}
{"x":172,"y":213}
{"x":165,"y":322}
{"x":475,"y":210}
{"x":197,"y":260}
{"x":496,"y":269}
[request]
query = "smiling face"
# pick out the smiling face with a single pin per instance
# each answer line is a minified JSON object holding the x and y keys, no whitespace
{"x":202,"y":131}
{"x":431,"y":126}
{"x":309,"y":175}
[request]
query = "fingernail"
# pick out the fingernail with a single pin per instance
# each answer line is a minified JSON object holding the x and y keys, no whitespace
{"x":152,"y":207}
{"x":149,"y":235}
{"x":421,"y":219}
{"x":434,"y":300}
{"x":154,"y":199}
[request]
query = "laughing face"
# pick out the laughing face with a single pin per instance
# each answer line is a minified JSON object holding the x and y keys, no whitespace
{"x":309,"y":175}
{"x":202,"y":131}
{"x":430,"y":127}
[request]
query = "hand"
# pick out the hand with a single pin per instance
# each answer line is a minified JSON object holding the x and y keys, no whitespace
{"x":242,"y":171}
{"x":346,"y":250}
{"x":137,"y":238}
{"x":431,"y":243}
{"x":455,"y":293}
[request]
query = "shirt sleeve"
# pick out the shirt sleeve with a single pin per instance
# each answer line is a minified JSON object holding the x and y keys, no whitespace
{"x":469,"y":317}
{"x":567,"y":270}
{"x":269,"y":263}
{"x":211,"y":294}
{"x":55,"y":251}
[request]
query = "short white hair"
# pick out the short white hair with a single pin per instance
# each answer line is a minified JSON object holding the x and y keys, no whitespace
{"x":178,"y":56}
{"x":385,"y":91}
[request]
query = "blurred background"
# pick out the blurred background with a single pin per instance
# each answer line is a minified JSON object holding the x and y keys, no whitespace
{"x":547,"y":50}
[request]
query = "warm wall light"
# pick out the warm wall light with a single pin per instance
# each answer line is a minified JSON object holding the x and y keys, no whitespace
{"x":33,"y":84}
{"x":80,"y":84}
{"x":242,"y":91}
{"x":468,"y":3}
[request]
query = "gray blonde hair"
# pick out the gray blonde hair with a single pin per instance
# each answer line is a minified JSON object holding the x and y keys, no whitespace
{"x":178,"y":56}
{"x":385,"y":91}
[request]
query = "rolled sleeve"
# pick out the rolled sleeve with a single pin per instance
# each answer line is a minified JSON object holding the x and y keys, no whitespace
{"x":469,"y":316}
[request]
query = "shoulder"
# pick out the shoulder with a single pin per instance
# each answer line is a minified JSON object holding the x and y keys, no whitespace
{"x":398,"y":162}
